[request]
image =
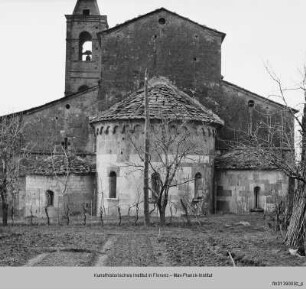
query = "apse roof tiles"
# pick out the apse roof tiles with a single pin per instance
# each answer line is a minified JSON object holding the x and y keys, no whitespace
{"x":165,"y":101}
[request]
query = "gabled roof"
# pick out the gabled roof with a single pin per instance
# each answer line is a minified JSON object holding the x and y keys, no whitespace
{"x":165,"y":101}
{"x":119,"y":26}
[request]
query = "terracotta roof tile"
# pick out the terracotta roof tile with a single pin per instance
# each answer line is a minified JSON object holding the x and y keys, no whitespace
{"x":241,"y":160}
{"x":56,"y":165}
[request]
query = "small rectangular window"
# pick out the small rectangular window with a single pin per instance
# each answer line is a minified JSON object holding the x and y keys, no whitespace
{"x":86,"y":12}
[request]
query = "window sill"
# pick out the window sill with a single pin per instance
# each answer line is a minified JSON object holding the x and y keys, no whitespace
{"x":257,"y":210}
{"x":112,"y":199}
{"x":81,"y":61}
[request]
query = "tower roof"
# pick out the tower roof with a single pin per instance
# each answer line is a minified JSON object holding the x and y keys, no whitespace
{"x":165,"y":101}
{"x":83,"y":6}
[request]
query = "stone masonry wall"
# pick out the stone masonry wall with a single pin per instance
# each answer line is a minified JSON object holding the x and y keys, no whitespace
{"x":116,"y":153}
{"x":80,"y":72}
{"x":235,"y":189}
{"x":187,"y":54}
{"x":232,"y":105}
{"x":80,"y":190}
{"x":190,"y":57}
{"x":68,"y":117}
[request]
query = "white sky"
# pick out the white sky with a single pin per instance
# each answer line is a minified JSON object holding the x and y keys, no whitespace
{"x":32,"y":45}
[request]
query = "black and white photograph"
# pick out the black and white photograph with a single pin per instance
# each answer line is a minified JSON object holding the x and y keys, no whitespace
{"x":157,"y":144}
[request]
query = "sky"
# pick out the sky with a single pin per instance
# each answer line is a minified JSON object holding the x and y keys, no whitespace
{"x":258,"y":33}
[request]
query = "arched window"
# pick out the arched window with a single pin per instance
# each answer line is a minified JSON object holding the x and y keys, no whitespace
{"x":155,"y":186}
{"x":198,"y":184}
{"x":256,"y":197}
{"x":82,"y":88}
{"x":50,"y":198}
{"x":85,"y":47}
{"x":112,"y":185}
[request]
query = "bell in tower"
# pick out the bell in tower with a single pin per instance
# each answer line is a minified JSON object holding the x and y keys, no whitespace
{"x":83,"y":54}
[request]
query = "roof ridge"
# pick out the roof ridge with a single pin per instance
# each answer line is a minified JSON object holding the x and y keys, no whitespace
{"x":118,"y":26}
{"x":66,"y":97}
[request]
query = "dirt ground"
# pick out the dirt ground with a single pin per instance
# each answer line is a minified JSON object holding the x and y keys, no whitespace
{"x":247,"y":239}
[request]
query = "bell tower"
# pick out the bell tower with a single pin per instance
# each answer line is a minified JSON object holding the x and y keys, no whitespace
{"x":83,"y":53}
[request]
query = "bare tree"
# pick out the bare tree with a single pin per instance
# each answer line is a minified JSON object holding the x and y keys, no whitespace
{"x":102,"y":208}
{"x":47,"y":215}
{"x":171,"y":143}
{"x":274,"y":145}
{"x":136,"y":203}
{"x":67,"y":213}
{"x":119,"y":215}
{"x":12,"y":151}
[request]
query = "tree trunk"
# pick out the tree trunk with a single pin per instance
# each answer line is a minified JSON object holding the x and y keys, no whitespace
{"x":162,"y":216}
{"x":4,"y":213}
{"x":119,"y":215}
{"x":13,"y":215}
{"x":295,"y":236}
{"x":47,"y":215}
{"x":162,"y":211}
{"x":137,"y":214}
{"x":101,"y":216}
{"x":3,"y":190}
{"x":289,"y":203}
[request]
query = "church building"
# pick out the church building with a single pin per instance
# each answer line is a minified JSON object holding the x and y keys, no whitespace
{"x":87,"y":131}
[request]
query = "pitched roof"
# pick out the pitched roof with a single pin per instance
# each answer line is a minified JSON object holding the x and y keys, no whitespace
{"x":165,"y":101}
{"x":55,"y":165}
{"x":244,"y":159}
{"x":155,"y":12}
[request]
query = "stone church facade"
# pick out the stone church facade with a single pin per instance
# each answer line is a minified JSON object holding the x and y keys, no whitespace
{"x":105,"y":67}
